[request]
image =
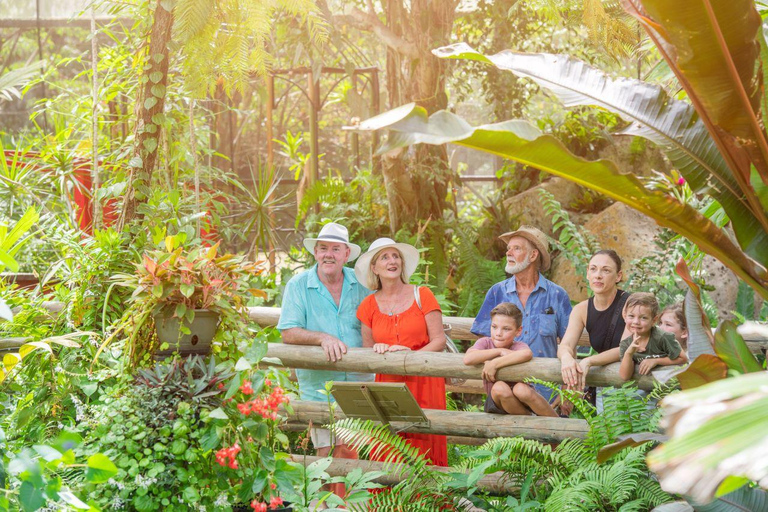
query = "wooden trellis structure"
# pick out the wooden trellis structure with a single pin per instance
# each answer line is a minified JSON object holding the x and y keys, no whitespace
{"x":313,"y":94}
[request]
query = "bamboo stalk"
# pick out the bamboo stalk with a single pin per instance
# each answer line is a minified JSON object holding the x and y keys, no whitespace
{"x":452,"y":423}
{"x":434,"y":364}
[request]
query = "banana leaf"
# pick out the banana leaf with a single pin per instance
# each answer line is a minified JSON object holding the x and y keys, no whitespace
{"x":716,"y":431}
{"x":672,"y":124}
{"x":522,"y":142}
{"x":705,"y":369}
{"x":731,"y":348}
{"x":745,"y":499}
{"x":700,"y":337}
{"x":714,"y":49}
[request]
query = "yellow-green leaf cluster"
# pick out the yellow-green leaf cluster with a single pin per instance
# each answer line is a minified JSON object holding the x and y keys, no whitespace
{"x":226,"y":42}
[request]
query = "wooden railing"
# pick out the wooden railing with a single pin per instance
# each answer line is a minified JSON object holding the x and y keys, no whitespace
{"x":456,"y":423}
{"x":460,"y":327}
{"x":437,"y":364}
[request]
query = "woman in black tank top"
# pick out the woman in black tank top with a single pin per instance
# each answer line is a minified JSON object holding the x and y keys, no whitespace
{"x":601,"y":315}
{"x":606,"y":327}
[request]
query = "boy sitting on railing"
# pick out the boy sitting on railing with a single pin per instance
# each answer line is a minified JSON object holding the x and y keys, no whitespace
{"x":648,"y":346}
{"x":500,"y":350}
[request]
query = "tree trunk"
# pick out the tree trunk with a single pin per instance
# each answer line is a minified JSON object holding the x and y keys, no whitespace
{"x":417,"y":183}
{"x":150,"y":103}
{"x":416,"y":180}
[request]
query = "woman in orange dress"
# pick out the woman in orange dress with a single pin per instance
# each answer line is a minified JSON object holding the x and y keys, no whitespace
{"x":393,"y":320}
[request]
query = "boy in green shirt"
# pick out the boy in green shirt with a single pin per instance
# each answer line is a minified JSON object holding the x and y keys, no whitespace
{"x":648,"y":346}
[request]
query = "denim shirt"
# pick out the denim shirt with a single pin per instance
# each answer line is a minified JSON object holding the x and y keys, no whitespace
{"x":540,"y":328}
{"x":308,"y":304}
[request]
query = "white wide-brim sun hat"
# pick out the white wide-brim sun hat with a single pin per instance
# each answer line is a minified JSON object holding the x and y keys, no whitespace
{"x":410,"y":259}
{"x":335,"y":233}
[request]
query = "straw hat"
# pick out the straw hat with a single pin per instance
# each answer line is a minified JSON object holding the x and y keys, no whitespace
{"x":410,"y":259}
{"x":537,"y":238}
{"x":333,"y":232}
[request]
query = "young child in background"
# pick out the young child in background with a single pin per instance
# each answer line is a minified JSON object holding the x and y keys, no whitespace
{"x":648,"y":345}
{"x":673,"y":320}
{"x":500,"y":350}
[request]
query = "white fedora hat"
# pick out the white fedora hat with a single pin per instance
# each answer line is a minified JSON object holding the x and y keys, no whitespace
{"x":333,"y":232}
{"x":409,"y":252}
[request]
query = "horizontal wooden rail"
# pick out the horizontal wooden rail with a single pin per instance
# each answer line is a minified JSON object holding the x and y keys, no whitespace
{"x":462,"y":440}
{"x":434,"y":364}
{"x":460,"y":327}
{"x":494,"y":483}
{"x":460,"y":423}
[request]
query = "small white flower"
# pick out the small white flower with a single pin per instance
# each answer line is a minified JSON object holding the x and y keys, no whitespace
{"x":221,"y":501}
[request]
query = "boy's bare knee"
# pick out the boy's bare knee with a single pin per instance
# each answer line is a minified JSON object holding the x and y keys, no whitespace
{"x":523,"y":391}
{"x":500,"y":390}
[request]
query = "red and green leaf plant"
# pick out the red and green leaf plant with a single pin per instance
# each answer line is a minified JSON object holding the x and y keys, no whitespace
{"x":175,"y":282}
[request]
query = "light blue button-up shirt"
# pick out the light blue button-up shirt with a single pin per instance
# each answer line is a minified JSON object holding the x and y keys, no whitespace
{"x":308,"y":304}
{"x":545,"y":316}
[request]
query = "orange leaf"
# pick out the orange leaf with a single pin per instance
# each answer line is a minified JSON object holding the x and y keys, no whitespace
{"x":705,"y":369}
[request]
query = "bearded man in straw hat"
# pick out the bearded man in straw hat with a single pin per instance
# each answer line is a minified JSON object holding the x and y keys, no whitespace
{"x":320,"y":308}
{"x":545,"y":305}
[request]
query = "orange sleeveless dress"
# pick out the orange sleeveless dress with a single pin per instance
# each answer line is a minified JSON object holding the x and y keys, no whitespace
{"x":409,"y":329}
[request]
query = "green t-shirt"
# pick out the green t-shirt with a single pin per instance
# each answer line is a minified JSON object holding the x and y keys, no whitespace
{"x":660,"y":344}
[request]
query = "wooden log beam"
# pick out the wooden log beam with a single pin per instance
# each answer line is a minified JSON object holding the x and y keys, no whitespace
{"x":494,"y":483}
{"x":12,"y":344}
{"x":460,"y":328}
{"x":460,"y":423}
{"x":434,"y":364}
{"x":466,"y":441}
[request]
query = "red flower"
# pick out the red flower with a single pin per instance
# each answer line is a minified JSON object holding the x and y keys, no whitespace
{"x":275,"y":502}
{"x":267,"y":382}
{"x":258,"y":507}
{"x":246,"y":388}
{"x":681,"y":181}
{"x":273,"y":486}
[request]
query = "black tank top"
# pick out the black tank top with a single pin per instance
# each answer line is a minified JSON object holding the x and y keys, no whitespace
{"x":599,"y":323}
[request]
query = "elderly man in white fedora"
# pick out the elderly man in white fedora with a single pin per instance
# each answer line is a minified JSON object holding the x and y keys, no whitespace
{"x":320,"y":308}
{"x":545,"y":305}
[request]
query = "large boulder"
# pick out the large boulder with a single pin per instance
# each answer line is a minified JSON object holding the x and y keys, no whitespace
{"x":527,"y":207}
{"x":631,"y":234}
{"x":726,"y":286}
{"x":618,"y":227}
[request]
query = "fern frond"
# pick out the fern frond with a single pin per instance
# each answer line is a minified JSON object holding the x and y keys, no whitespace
{"x":190,"y":18}
{"x":586,"y":409}
{"x":575,"y":242}
{"x":376,"y":441}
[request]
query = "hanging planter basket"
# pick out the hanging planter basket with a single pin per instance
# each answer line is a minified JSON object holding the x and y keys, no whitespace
{"x":197,"y":342}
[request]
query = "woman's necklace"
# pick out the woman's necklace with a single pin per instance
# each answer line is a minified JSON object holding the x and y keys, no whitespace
{"x":391,"y":306}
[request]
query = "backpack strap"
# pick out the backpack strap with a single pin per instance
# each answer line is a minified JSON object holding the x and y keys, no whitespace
{"x":417,"y":296}
{"x":608,"y":340}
